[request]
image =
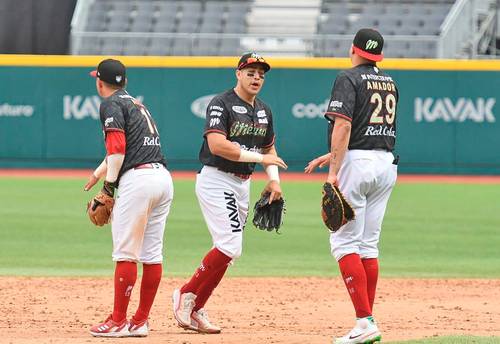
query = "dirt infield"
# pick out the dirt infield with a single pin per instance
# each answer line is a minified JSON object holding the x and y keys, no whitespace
{"x":285,"y":176}
{"x":251,"y":310}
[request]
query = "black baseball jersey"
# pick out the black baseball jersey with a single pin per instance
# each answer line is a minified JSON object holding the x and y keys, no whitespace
{"x":367,"y":97}
{"x":122,"y":112}
{"x":250,"y":128}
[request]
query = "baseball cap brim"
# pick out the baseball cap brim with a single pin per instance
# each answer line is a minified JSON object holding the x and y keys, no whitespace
{"x":265,"y":65}
{"x":93,"y":74}
{"x":368,"y":56}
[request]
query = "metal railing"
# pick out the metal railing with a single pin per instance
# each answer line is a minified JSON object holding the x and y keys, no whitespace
{"x":457,"y":30}
{"x":315,"y":45}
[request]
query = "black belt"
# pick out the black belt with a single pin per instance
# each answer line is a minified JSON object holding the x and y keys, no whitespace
{"x":239,"y":175}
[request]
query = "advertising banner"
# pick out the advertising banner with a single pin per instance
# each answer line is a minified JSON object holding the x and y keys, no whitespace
{"x":448,"y":120}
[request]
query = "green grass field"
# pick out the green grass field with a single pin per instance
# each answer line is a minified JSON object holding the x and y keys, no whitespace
{"x":429,"y":231}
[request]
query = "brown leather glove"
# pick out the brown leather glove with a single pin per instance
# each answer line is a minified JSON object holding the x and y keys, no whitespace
{"x":100,"y":207}
{"x":335,"y":210}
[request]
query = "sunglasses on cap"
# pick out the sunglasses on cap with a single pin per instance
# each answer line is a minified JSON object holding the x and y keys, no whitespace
{"x":253,"y":58}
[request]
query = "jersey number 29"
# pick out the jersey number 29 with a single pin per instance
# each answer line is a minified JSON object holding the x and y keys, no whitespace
{"x":390,"y":109}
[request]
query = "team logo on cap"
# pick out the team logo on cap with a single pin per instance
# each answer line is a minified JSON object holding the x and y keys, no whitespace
{"x":371,"y":45}
{"x":118,"y":78}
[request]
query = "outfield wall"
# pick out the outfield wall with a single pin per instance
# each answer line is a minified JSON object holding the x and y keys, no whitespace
{"x":448,"y":115}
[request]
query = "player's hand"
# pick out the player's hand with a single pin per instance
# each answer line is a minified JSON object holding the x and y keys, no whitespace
{"x":274,"y":188}
{"x":320,"y":162}
{"x":332,"y":179}
{"x":91,"y":182}
{"x":271,"y":159}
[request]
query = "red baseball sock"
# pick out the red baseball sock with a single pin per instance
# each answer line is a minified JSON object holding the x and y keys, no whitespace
{"x":354,"y":277}
{"x":213,"y":261}
{"x":125,"y":276}
{"x":151,"y":277}
{"x":371,"y":271}
{"x":206,"y":289}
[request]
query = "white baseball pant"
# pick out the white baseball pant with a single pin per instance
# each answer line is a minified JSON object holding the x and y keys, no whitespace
{"x":224,"y":200}
{"x":140,"y":213}
{"x":366,"y":178}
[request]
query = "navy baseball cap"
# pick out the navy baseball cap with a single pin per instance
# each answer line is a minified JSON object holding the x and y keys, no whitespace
{"x":110,"y":71}
{"x":252,"y":58}
{"x":368,"y":43}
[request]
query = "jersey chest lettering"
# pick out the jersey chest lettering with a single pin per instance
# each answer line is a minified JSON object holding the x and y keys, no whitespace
{"x":239,"y":129}
{"x":248,"y":124}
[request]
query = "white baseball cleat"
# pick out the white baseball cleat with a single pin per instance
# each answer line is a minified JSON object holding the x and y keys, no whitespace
{"x":110,"y":328}
{"x":140,"y":329}
{"x":199,"y":320}
{"x":365,"y":332}
{"x":183,"y":307}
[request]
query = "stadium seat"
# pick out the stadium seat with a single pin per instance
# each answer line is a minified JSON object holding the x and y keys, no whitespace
{"x":111,"y":46}
{"x":215,"y":7}
{"x":208,"y":47}
{"x":90,"y":46}
{"x":165,"y":25}
{"x":194,"y":7}
{"x":187,"y":25}
{"x":160,"y":46}
{"x":135,"y":46}
{"x":231,"y":19}
{"x":211,"y":24}
{"x":121,"y":6}
{"x":181,"y":47}
{"x":230,"y":47}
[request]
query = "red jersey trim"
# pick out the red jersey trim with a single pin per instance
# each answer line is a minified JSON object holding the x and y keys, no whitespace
{"x":214,"y":131}
{"x":336,"y":114}
{"x":114,"y":129}
{"x":115,"y":142}
{"x":272,"y":142}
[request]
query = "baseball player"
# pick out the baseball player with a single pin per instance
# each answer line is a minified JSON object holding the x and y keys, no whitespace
{"x":238,"y":134}
{"x":134,"y":168}
{"x":362,"y":134}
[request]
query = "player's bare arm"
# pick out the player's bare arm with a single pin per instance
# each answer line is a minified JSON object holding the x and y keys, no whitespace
{"x":221,"y":146}
{"x":95,"y":176}
{"x":320,"y":162}
{"x":273,"y":185}
{"x":340,"y":141}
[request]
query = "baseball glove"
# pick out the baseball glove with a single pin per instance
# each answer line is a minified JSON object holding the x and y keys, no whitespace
{"x":268,"y":216}
{"x":335,"y":210}
{"x":99,"y":208}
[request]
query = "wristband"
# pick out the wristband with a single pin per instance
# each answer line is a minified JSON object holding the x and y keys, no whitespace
{"x":109,"y":188}
{"x":272,"y":172}
{"x":247,"y":156}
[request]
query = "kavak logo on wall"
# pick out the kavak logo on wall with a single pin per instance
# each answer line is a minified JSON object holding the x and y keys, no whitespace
{"x":463,"y":109}
{"x":80,"y":107}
